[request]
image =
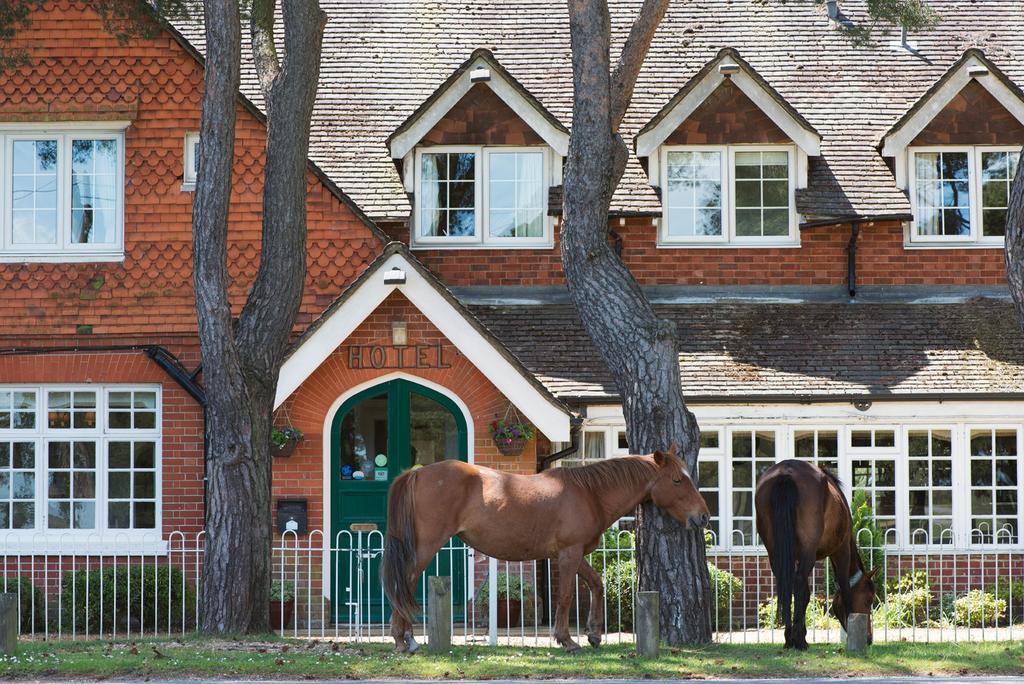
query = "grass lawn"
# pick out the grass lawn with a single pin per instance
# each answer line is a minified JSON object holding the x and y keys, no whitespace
{"x":196,"y":657}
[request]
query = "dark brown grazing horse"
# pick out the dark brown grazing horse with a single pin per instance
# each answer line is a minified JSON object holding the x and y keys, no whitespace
{"x":803,"y":517}
{"x":557,"y":513}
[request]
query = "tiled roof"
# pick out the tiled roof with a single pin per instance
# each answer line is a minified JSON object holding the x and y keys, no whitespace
{"x":383,"y":59}
{"x":732,"y":350}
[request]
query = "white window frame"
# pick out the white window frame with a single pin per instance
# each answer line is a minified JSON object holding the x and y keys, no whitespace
{"x":964,"y":514}
{"x":974,"y":182}
{"x":717,"y":456}
{"x":63,"y":251}
{"x":908,"y":538}
{"x":726,"y":488}
{"x":481,"y":238}
{"x":102,"y":538}
{"x":728,"y":238}
{"x":190,"y":171}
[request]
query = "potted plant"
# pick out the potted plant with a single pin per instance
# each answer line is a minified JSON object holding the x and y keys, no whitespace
{"x":282,"y":603}
{"x":284,"y":440}
{"x":511,"y":437}
{"x":511,"y":594}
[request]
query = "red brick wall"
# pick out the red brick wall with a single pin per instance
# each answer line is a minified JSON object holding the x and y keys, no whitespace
{"x":727,"y":117}
{"x":80,"y":72}
{"x":820,"y":260}
{"x":300,"y":474}
{"x":481,"y":118}
{"x":973,"y":117}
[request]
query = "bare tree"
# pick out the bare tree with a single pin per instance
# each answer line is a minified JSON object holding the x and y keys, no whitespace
{"x":638,"y":347}
{"x":241,"y":359}
{"x":1014,"y":253}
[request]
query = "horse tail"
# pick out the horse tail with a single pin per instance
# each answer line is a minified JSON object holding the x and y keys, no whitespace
{"x":399,"y":561}
{"x":783,"y":502}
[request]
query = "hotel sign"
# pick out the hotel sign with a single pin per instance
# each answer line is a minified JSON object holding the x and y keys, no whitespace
{"x":396,"y":356}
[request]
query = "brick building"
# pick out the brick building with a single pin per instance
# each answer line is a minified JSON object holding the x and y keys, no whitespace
{"x":824,"y":224}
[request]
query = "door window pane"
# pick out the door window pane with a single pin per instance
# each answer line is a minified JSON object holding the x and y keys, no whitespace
{"x":762,"y":194}
{"x":34,"y":192}
{"x":17,"y":485}
{"x":71,"y":409}
{"x":17,"y":410}
{"x":71,"y":485}
{"x":517,"y":202}
{"x":592,"y":450}
{"x":131,"y":485}
{"x":874,"y":483}
{"x":930,"y":480}
{"x":433,"y":432}
{"x":820,"y":447}
{"x":364,"y":439}
{"x":448,"y":194}
{"x":694,"y":196}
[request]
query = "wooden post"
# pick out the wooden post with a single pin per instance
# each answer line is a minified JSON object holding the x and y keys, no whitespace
{"x":8,"y":623}
{"x":646,"y":623}
{"x":857,"y":632}
{"x":439,"y":614}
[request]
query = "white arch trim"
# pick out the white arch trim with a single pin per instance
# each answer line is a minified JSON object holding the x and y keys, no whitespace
{"x":328,"y":480}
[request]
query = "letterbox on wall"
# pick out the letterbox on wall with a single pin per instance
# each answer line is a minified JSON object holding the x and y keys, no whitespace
{"x":292,"y":516}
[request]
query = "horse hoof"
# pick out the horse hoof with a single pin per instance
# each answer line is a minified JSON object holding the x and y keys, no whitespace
{"x":413,"y":645}
{"x":594,"y":639}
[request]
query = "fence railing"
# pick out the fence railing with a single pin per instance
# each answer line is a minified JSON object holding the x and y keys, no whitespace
{"x":948,"y":590}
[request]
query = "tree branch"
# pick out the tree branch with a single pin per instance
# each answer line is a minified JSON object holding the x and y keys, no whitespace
{"x":632,"y":57}
{"x":266,"y":321}
{"x":213,"y":191}
{"x":261,"y":34}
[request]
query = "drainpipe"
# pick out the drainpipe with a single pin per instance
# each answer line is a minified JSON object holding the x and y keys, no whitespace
{"x":574,"y":445}
{"x":851,"y":258}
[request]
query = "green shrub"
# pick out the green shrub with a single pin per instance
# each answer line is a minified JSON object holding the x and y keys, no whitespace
{"x":613,"y":541}
{"x":978,"y":609}
{"x":817,"y":614}
{"x":725,"y":587}
{"x":619,"y":579}
{"x":909,"y":581}
{"x":509,"y":587}
{"x":869,"y":538}
{"x":1013,"y":593}
{"x":282,"y":590}
{"x":31,"y":608}
{"x":144,"y":607}
{"x":903,"y":609}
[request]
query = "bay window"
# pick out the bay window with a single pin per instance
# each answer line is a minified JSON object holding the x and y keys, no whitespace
{"x":960,"y":194}
{"x":63,"y":197}
{"x":740,"y":194}
{"x":994,"y":486}
{"x":79,"y":460}
{"x":481,"y":196}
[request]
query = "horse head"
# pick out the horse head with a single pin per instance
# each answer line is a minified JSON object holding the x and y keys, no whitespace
{"x":862,"y":598}
{"x":673,"y":490}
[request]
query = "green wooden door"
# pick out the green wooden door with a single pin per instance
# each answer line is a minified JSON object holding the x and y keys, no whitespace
{"x":376,"y":435}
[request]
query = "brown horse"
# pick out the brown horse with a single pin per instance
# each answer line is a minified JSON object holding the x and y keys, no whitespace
{"x":557,"y":513}
{"x":803,"y":517}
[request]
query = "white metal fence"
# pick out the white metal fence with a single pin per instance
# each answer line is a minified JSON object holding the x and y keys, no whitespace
{"x":941,"y":591}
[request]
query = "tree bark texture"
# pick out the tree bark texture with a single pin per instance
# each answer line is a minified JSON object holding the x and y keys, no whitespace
{"x":1015,"y":242}
{"x":241,"y":359}
{"x":639,"y":348}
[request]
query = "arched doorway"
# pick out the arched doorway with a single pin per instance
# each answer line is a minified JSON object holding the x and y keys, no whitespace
{"x":376,"y":435}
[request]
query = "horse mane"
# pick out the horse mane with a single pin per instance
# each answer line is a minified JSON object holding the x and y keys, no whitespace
{"x":612,"y":473}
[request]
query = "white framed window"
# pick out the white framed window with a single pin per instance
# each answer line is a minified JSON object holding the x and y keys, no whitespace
{"x":819,"y":446}
{"x":482,"y":196}
{"x":737,"y":195}
{"x":592,"y":450}
{"x":86,"y":463}
{"x":191,"y":161}
{"x":995,"y":477}
{"x":751,"y":453}
{"x":709,"y":478}
{"x":930,"y":486}
{"x":63,"y":193}
{"x":959,"y":194}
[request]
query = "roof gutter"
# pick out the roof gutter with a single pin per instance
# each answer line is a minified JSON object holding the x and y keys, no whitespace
{"x":851,"y":398}
{"x":574,"y":445}
{"x":853,"y":218}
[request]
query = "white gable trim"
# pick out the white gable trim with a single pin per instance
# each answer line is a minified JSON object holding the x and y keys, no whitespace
{"x":404,"y":142}
{"x":895,"y":143}
{"x":549,"y":418}
{"x":808,"y":141}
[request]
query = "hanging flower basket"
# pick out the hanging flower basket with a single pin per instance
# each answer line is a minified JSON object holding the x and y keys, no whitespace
{"x":283,"y":441}
{"x":511,"y":436}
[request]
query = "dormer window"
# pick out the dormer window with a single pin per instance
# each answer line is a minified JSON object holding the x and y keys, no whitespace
{"x":481,"y":196}
{"x":741,"y":194}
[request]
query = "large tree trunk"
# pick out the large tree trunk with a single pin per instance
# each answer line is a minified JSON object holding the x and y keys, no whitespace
{"x":1015,"y":241}
{"x":639,"y":348}
{"x":241,"y":360}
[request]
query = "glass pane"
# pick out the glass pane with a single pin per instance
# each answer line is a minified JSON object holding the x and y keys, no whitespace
{"x":59,"y":515}
{"x":119,"y":454}
{"x":60,"y":454}
{"x":119,"y":400}
{"x":433,"y":432}
{"x":93,"y":190}
{"x":120,"y":485}
{"x":145,"y":515}
{"x":145,"y":485}
{"x":709,"y":439}
{"x":364,"y":438}
{"x":23,"y":516}
{"x":145,"y":455}
{"x":708,"y":474}
{"x":84,"y":515}
{"x":84,"y":485}
{"x":119,"y":515}
{"x":34,"y":191}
